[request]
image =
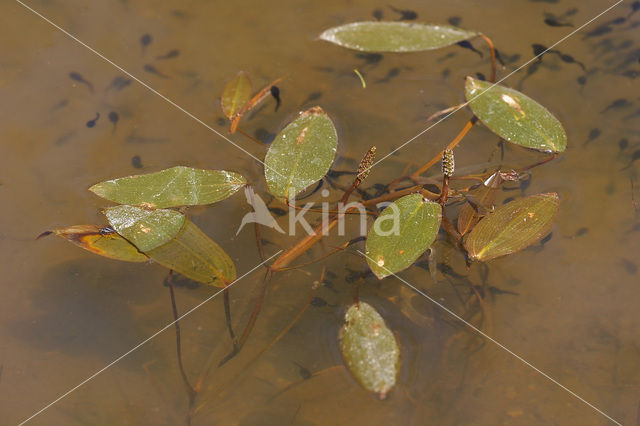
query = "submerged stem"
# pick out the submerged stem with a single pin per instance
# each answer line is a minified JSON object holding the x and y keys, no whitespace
{"x":191,"y":392}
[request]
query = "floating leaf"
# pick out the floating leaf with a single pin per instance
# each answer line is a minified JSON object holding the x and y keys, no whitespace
{"x":370,"y":349}
{"x":193,"y":254}
{"x":403,"y":231}
{"x":236,"y":94}
{"x":512,"y":227}
{"x":515,"y":117}
{"x":177,"y":186}
{"x":395,"y":36}
{"x":301,"y":154}
{"x":100,"y":241}
{"x":145,"y":228}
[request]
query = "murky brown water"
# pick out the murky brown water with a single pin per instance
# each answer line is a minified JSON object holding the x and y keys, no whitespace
{"x":65,"y":313}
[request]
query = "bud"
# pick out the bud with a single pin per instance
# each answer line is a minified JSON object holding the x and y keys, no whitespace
{"x":365,"y":164}
{"x":448,"y":163}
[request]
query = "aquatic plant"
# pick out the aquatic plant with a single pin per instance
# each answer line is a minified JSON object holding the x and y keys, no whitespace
{"x":150,"y":222}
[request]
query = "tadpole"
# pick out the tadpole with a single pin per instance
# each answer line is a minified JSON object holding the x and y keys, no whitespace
{"x":593,"y":134}
{"x":393,"y":72}
{"x":77,"y":77}
{"x":113,"y":117}
{"x":92,"y":123}
{"x":553,"y":22}
{"x":119,"y":83}
{"x":304,"y":372}
{"x":582,"y":80}
{"x":539,"y":50}
{"x":136,"y":162}
{"x":169,"y":55}
{"x":153,"y":70}
{"x":319,"y":302}
{"x":629,"y":266}
{"x":145,"y":41}
{"x":405,"y":15}
{"x":635,"y":6}
{"x":369,"y":58}
{"x":623,"y":144}
{"x":617,"y":104}
{"x":467,"y":45}
{"x":570,"y":60}
{"x":275,"y":92}
{"x":598,"y":31}
{"x":454,"y":20}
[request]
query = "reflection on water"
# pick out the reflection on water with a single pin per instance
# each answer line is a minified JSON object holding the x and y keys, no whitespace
{"x":69,"y":120}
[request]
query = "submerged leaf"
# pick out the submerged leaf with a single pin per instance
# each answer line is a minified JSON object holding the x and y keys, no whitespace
{"x":395,"y":36}
{"x":513,"y":227}
{"x":236,"y":94}
{"x":177,"y":186}
{"x":402,"y":232}
{"x":196,"y":256}
{"x":370,"y":349}
{"x":515,"y":117}
{"x":301,"y":154}
{"x":101,"y":241}
{"x":146,"y":229}
{"x":483,"y":198}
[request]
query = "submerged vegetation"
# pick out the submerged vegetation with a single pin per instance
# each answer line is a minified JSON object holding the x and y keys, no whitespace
{"x":411,"y":212}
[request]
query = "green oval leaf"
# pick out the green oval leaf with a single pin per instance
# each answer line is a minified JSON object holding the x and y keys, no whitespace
{"x":403,"y":231}
{"x":177,"y":186}
{"x":301,"y":154}
{"x":370,"y":349}
{"x":144,"y":228}
{"x":236,"y":94}
{"x":513,"y":227}
{"x":514,"y":116}
{"x":99,"y":241}
{"x":395,"y":36}
{"x":193,"y":254}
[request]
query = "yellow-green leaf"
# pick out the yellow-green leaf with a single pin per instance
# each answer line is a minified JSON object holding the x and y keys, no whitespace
{"x":301,"y":153}
{"x":145,"y":228}
{"x":395,"y":36}
{"x":513,"y":227}
{"x":370,"y":349}
{"x":101,"y":241}
{"x":193,"y":254}
{"x":236,"y":94}
{"x":404,"y":230}
{"x":515,"y":117}
{"x":176,"y":186}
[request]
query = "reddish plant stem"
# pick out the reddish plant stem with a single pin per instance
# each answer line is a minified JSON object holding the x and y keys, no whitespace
{"x":247,"y":135}
{"x":451,"y":145}
{"x":493,"y":56}
{"x":445,"y":191}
